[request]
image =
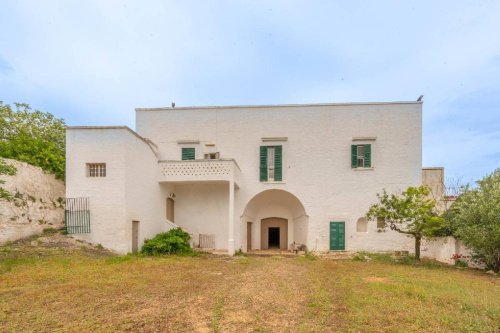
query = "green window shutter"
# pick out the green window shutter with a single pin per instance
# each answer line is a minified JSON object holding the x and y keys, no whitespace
{"x":354,"y":156}
{"x":263,"y":164}
{"x":278,"y":163}
{"x":367,"y":152}
{"x":188,"y":154}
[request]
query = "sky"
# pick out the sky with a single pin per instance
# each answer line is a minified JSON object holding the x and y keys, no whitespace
{"x":93,"y":62}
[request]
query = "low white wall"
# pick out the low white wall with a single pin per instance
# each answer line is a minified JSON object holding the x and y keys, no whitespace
{"x":443,"y":248}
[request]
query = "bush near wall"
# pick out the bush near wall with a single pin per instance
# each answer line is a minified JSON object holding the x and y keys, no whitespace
{"x":34,"y":137}
{"x":174,"y":241}
{"x":475,"y":219}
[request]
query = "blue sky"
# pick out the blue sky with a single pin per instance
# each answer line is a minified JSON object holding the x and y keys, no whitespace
{"x":93,"y":62}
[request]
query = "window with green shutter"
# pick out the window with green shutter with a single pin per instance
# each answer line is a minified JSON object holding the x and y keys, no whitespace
{"x":188,"y":154}
{"x":361,"y":156}
{"x":271,"y":163}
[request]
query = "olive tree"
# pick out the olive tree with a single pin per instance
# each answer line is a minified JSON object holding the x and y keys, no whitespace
{"x":475,"y":219}
{"x":411,"y":213}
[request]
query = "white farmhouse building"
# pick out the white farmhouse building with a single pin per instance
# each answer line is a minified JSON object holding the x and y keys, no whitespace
{"x":244,"y":177}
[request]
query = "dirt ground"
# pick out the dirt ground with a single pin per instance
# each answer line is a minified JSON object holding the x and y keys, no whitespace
{"x":54,"y":283}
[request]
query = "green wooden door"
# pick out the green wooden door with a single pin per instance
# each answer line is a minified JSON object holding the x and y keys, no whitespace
{"x":337,"y":236}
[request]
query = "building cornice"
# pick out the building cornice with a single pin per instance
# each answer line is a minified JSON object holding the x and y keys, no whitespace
{"x":275,"y":106}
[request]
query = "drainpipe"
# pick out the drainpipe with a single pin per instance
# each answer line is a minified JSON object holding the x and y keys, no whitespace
{"x":230,"y":241}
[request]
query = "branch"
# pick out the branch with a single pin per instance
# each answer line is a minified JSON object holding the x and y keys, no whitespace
{"x":393,"y":227}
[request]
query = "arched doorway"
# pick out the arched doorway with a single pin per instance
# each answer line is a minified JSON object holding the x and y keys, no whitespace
{"x":273,"y":219}
{"x":273,"y":233}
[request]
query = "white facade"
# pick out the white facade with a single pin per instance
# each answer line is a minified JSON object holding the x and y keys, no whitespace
{"x":218,"y":198}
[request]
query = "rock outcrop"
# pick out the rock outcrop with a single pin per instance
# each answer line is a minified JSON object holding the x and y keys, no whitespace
{"x":35,"y":201}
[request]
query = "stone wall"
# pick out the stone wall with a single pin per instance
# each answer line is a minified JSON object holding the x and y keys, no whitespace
{"x":36,"y":203}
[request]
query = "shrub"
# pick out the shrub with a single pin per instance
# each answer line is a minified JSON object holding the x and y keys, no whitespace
{"x":240,"y":253}
{"x":175,"y":241}
{"x":475,"y":219}
{"x":6,"y":169}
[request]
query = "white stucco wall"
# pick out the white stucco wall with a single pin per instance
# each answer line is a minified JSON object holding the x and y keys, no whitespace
{"x":316,"y":158}
{"x":203,"y":209}
{"x":145,"y":196}
{"x":130,"y":191}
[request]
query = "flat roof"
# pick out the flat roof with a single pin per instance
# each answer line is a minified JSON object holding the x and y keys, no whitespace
{"x":272,"y":106}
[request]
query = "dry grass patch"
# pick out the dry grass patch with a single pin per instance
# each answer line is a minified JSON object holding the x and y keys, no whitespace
{"x":69,"y":290}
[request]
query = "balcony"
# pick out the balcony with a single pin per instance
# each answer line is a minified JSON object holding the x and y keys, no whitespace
{"x":200,"y":171}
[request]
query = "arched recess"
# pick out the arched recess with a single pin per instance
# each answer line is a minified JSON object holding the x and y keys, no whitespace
{"x":362,"y":225}
{"x":278,"y":204}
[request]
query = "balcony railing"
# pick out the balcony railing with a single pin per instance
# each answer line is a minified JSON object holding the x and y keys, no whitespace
{"x":199,"y":170}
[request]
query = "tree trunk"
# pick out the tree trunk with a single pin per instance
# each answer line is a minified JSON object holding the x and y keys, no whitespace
{"x":418,"y":240}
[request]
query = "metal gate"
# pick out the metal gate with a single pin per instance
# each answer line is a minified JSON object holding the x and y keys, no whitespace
{"x":77,"y":216}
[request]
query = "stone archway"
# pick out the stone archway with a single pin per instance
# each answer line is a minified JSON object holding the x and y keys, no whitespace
{"x":277,"y":209}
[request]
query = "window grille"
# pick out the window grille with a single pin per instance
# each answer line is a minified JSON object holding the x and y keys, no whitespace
{"x":96,"y":169}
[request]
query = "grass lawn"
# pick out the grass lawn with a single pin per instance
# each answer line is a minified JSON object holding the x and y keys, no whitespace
{"x":82,"y":290}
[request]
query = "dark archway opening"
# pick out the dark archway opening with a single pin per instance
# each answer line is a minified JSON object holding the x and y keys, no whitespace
{"x":274,"y":237}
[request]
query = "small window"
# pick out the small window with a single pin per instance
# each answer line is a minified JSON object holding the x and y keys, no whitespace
{"x":211,"y":156}
{"x":361,"y":156}
{"x":362,"y":225}
{"x":188,"y":154}
{"x":96,"y":169}
{"x":380,"y":222}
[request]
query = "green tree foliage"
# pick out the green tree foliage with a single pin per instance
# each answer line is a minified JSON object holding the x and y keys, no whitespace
{"x":411,"y":213}
{"x":175,"y":241}
{"x":32,"y":136}
{"x":6,"y":169}
{"x":475,"y":219}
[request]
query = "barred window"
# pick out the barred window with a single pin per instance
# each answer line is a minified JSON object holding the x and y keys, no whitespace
{"x":96,"y":169}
